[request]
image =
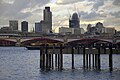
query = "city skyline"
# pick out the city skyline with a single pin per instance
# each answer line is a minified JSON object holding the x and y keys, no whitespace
{"x":91,"y":11}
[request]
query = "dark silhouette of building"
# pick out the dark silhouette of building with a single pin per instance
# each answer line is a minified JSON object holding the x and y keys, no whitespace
{"x":5,"y":29}
{"x":24,"y":26}
{"x":74,"y":21}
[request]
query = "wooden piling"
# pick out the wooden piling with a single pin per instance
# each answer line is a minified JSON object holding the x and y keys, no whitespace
{"x":44,"y":55}
{"x":110,"y":59}
{"x":96,"y":61}
{"x":78,"y":49}
{"x":90,"y":60}
{"x":56,"y":59}
{"x":84,"y":57}
{"x":72,"y":52}
{"x":41,"y":58}
{"x":61,"y":57}
{"x":93,"y":60}
{"x":87,"y":60}
{"x":99,"y":65}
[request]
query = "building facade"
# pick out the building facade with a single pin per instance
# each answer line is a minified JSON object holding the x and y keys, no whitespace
{"x":24,"y":26}
{"x":74,"y":21}
{"x":38,"y":27}
{"x":13,"y":24}
{"x":46,"y":23}
{"x":108,"y":30}
{"x":76,"y":31}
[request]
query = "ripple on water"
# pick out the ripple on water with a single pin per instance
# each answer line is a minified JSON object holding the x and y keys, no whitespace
{"x":21,"y":64}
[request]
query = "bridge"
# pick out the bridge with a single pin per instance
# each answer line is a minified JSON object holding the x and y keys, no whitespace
{"x":29,"y":41}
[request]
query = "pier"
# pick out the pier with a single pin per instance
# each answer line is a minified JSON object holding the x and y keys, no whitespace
{"x":51,"y":54}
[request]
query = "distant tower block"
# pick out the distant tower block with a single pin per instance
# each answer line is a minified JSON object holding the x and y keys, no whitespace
{"x":74,"y":21}
{"x":13,"y":24}
{"x":46,"y":23}
{"x":24,"y":26}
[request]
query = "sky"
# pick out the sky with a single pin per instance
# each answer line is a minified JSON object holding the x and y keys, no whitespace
{"x":90,"y":12}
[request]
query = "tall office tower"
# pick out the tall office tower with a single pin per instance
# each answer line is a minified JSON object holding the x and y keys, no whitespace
{"x":74,"y":21}
{"x":24,"y":26}
{"x":46,"y":23}
{"x":13,"y":24}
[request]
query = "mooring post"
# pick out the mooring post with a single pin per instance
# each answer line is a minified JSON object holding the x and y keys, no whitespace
{"x":72,"y":52}
{"x":110,"y":59}
{"x":84,"y":57}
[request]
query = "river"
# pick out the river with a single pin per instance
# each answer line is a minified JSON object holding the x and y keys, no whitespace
{"x":18,"y":63}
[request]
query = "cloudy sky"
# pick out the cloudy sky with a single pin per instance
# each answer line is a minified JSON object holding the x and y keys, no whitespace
{"x":90,"y":11}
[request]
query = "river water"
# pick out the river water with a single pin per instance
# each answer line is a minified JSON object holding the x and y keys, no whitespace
{"x":18,"y":63}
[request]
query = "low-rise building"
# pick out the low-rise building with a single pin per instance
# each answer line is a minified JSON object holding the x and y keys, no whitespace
{"x":65,"y":30}
{"x":109,"y":30}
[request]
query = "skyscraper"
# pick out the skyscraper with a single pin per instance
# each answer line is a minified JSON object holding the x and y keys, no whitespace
{"x":24,"y":26}
{"x":13,"y":24}
{"x":74,"y":21}
{"x":46,"y":23}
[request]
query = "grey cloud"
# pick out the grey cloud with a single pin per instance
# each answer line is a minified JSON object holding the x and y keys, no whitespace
{"x":90,"y":16}
{"x":98,"y":3}
{"x":116,"y":2}
{"x":64,"y":2}
{"x":116,"y":14}
{"x":113,"y":22}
